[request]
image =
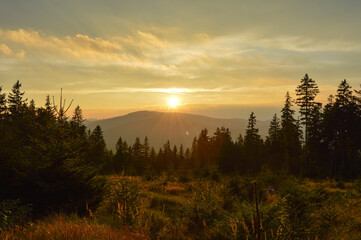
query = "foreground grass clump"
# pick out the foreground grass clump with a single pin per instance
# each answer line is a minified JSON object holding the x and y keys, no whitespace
{"x":225,"y":208}
{"x":60,"y":227}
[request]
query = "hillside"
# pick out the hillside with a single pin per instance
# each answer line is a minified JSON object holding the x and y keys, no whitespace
{"x":178,"y":128}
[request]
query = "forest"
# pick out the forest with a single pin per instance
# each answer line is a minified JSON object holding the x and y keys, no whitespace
{"x":53,"y":167}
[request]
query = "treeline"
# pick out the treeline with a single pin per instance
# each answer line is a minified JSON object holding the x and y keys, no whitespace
{"x":325,"y":141}
{"x":46,"y":159}
{"x":49,"y":160}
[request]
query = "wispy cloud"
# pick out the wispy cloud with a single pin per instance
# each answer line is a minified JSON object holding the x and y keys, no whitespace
{"x":5,"y":50}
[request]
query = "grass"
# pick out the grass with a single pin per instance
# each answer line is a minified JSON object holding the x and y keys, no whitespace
{"x":60,"y":227}
{"x":166,"y":208}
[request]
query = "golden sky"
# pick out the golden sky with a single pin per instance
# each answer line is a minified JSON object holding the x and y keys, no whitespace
{"x":219,"y":58}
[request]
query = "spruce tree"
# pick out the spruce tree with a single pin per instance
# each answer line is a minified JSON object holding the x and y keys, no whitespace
{"x":253,"y":145}
{"x":77,"y":115}
{"x":306,"y":93}
{"x":137,"y":156}
{"x":2,"y":104}
{"x":97,"y":149}
{"x":15,"y":99}
{"x":347,"y":131}
{"x":274,"y":129}
{"x":273,"y":143}
{"x":290,"y":137}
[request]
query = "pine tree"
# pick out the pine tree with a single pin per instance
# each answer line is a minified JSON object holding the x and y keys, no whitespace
{"x":153,"y":158}
{"x":2,"y":104}
{"x":97,"y":148}
{"x":137,"y":156}
{"x":290,"y":134}
{"x":203,"y":149}
{"x":347,"y":131}
{"x":274,"y":129}
{"x":181,"y":157}
{"x":253,"y":145}
{"x":146,"y":149}
{"x":15,"y":99}
{"x":274,"y":143}
{"x":193,"y":160}
{"x":316,"y":143}
{"x":306,"y":92}
{"x":121,"y":159}
{"x":77,"y":115}
{"x":224,"y":151}
{"x":146,"y":155}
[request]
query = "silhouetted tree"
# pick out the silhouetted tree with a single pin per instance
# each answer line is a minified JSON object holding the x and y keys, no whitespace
{"x":253,"y":145}
{"x":290,"y":137}
{"x":15,"y":99}
{"x":2,"y":102}
{"x":97,"y":153}
{"x":274,"y":144}
{"x":306,"y":92}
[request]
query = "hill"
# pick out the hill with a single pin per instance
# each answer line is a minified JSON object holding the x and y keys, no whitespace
{"x":178,"y":128}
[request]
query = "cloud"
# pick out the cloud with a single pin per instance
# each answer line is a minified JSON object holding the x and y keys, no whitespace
{"x":156,"y":61}
{"x":5,"y":50}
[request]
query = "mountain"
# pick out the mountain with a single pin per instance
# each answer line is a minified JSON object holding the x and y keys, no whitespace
{"x":178,"y":128}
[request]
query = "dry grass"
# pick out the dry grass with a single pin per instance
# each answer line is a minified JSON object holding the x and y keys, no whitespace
{"x":169,"y":209}
{"x":60,"y":228}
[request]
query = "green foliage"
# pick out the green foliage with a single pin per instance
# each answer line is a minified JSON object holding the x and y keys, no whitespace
{"x":203,"y":209}
{"x":157,"y":224}
{"x":122,"y":201}
{"x":43,"y":157}
{"x":13,"y":214}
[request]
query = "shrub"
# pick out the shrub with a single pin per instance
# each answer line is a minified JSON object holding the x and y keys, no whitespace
{"x":13,"y":214}
{"x":203,"y":209}
{"x":122,"y":201}
{"x":157,"y":225}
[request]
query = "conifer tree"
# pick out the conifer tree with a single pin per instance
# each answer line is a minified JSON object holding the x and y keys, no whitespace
{"x":153,"y":158}
{"x":146,"y":149}
{"x":138,"y":155}
{"x":77,"y":115}
{"x":346,"y":131}
{"x":290,"y":134}
{"x":274,"y":143}
{"x":97,"y":148}
{"x":15,"y":99}
{"x":253,"y":145}
{"x":203,"y":149}
{"x":193,"y":160}
{"x":181,"y":157}
{"x":2,"y":104}
{"x":306,"y":92}
{"x":316,"y":143}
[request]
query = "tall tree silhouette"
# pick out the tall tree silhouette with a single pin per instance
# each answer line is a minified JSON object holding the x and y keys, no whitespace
{"x":15,"y":99}
{"x":290,"y":134}
{"x":97,"y":152}
{"x":274,"y":144}
{"x":306,"y":93}
{"x":253,"y":145}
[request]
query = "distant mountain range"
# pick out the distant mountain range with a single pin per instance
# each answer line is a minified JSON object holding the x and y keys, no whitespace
{"x":178,"y":128}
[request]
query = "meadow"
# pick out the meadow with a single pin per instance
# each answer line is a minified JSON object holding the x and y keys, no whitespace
{"x":269,"y":206}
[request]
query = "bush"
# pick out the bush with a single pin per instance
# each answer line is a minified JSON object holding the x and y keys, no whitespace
{"x":13,"y":214}
{"x":203,"y":209}
{"x":157,"y":225}
{"x":122,"y":201}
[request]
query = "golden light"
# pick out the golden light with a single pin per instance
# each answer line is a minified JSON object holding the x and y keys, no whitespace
{"x":173,"y":102}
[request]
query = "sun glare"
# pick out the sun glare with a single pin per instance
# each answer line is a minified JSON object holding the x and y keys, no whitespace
{"x":173,"y":102}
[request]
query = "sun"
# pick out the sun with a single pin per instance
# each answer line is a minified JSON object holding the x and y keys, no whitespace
{"x":173,"y":102}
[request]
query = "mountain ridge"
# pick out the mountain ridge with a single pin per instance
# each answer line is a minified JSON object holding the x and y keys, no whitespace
{"x":178,"y":128}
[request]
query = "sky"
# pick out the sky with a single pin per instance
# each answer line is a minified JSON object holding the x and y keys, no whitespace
{"x":218,"y":58}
